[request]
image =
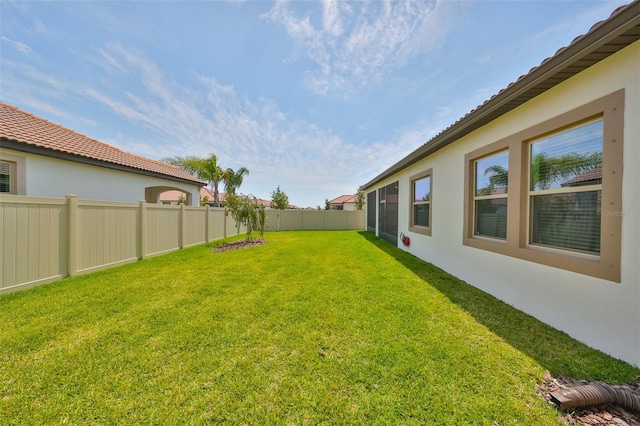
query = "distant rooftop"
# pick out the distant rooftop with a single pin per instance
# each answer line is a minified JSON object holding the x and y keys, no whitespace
{"x":343,"y":199}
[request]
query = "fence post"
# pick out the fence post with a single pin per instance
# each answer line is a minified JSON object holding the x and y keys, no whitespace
{"x":182,"y":225}
{"x":72,"y":234}
{"x":224,"y":223}
{"x":206,"y":223}
{"x":142,"y":234}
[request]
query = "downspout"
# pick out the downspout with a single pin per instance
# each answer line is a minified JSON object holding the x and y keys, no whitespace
{"x":596,"y":394}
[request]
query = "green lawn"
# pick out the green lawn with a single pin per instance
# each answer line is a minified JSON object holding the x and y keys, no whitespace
{"x":312,"y":327}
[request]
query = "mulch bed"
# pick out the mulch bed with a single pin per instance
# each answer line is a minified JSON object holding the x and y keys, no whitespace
{"x":590,"y":416}
{"x":239,"y":245}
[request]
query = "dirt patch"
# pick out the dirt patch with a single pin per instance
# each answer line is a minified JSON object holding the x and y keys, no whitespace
{"x":590,"y":416}
{"x":239,"y":245}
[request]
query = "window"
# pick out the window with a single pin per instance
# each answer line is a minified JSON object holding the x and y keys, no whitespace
{"x":5,"y":177}
{"x":12,"y":174}
{"x":562,"y":183}
{"x":565,"y":190}
{"x":490,"y":195}
{"x":420,"y":209}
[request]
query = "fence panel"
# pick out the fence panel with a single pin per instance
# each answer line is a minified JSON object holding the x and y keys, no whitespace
{"x":195,"y":226}
{"x":313,"y":219}
{"x":33,"y":244}
{"x":289,"y":219}
{"x":107,"y":234}
{"x":231,"y":228}
{"x":334,"y":219}
{"x":355,"y":219}
{"x":293,"y":220}
{"x":272,"y":218}
{"x":217,"y":224}
{"x":162,"y":228}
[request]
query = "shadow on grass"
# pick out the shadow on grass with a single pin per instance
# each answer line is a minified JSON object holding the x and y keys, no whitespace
{"x":552,"y":349}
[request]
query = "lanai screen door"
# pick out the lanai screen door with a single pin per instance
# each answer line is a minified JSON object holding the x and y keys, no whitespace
{"x":371,"y":211}
{"x":388,"y":213}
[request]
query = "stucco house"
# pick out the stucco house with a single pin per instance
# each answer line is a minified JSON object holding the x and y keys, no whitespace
{"x":343,"y":202}
{"x":174,"y":196}
{"x":534,"y":196}
{"x":42,"y":159}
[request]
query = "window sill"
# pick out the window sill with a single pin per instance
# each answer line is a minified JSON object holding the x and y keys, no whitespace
{"x":420,"y":230}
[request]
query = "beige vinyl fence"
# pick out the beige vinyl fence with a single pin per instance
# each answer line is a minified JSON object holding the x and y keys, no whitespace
{"x":45,"y":239}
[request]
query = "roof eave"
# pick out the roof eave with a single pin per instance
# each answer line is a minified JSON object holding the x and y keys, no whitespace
{"x":537,"y":81}
{"x":32,"y":149}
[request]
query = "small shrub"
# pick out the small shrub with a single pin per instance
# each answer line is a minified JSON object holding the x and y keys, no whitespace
{"x":248,"y":211}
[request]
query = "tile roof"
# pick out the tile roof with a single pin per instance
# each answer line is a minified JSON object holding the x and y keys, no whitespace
{"x":603,"y":39}
{"x":168,"y":196}
{"x":208,"y":192}
{"x":33,"y":132}
{"x":343,"y":199}
{"x":204,"y":192}
{"x":589,"y":176}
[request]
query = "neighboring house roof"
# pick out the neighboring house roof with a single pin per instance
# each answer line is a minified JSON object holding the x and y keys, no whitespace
{"x":25,"y":132}
{"x":264,"y":203}
{"x":208,"y":192}
{"x":174,"y":195}
{"x":585,"y":178}
{"x":343,"y":199}
{"x":267,"y":204}
{"x":604,"y":39}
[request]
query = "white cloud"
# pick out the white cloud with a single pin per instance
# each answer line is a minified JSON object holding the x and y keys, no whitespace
{"x":40,"y":27}
{"x":360,"y":43}
{"x":39,"y":91}
{"x":55,"y":111}
{"x":254,"y":133}
{"x":331,"y":17}
{"x":18,"y":45}
{"x":551,"y":38}
{"x":34,"y":75}
{"x":308,"y":162}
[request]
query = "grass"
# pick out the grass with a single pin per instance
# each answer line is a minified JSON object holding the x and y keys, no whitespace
{"x":311,"y":328}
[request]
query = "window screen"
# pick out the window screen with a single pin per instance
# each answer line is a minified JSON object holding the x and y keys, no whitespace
{"x":371,"y":211}
{"x":490,"y":195}
{"x":5,"y":177}
{"x":565,"y":182}
{"x":421,"y":200}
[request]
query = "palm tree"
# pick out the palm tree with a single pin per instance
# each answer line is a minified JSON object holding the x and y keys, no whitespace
{"x":498,"y":176}
{"x":545,"y":170}
{"x":206,"y":169}
{"x":233,"y":180}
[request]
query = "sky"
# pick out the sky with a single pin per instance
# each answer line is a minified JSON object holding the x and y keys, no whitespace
{"x":313,"y":97}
